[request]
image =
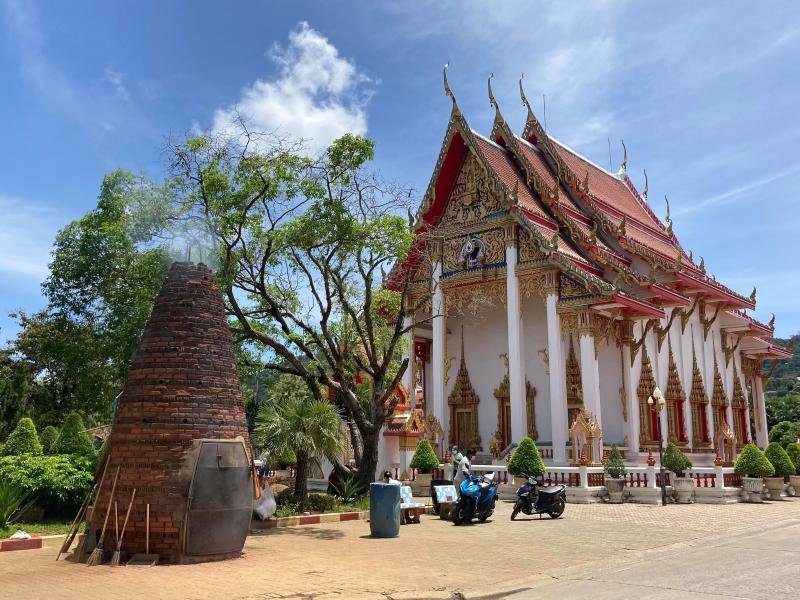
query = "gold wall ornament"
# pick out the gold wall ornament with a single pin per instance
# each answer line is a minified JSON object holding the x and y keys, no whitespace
{"x":447,"y":363}
{"x":686,"y":315}
{"x":529,"y":248}
{"x":533,"y":284}
{"x":586,"y":436}
{"x":545,"y":354}
{"x":475,"y":299}
{"x":574,"y":384}
{"x":637,"y":345}
{"x":476,"y":249}
{"x":675,"y":397}
{"x":699,"y":403}
{"x":765,"y":377}
{"x":569,"y":323}
{"x":730,"y":350}
{"x":663,"y":332}
{"x":648,"y":432}
{"x":707,"y":323}
{"x":503,"y":396}
{"x":463,"y":402}
{"x":570,"y":288}
{"x":472,"y":196}
{"x":623,"y":402}
{"x":504,"y":358}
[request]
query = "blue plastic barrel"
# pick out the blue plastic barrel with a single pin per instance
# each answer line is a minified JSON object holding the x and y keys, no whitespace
{"x":384,"y":510}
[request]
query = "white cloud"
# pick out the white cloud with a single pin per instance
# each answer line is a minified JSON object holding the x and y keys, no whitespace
{"x":318,"y":95}
{"x":27,"y":231}
{"x":115,"y":78}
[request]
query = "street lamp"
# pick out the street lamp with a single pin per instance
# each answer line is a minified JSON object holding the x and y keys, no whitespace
{"x":657,"y":399}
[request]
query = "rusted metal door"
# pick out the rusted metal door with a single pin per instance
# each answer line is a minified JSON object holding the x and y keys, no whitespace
{"x":221,"y":499}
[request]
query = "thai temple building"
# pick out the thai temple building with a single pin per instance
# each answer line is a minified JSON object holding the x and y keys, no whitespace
{"x":554,"y":301}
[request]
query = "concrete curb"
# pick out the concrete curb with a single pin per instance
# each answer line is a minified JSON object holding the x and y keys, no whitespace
{"x":33,"y":543}
{"x":257,"y":526}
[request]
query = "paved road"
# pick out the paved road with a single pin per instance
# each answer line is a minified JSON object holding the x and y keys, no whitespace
{"x":758,"y":563}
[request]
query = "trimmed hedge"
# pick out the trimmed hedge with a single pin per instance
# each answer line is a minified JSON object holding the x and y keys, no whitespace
{"x":781,"y":462}
{"x":752,"y":462}
{"x":675,"y":460}
{"x":614,"y":465}
{"x":48,"y":438}
{"x":73,"y":438}
{"x":526,"y":459}
{"x":793,"y":450}
{"x":23,"y":440}
{"x":425,"y":458}
{"x":59,"y":482}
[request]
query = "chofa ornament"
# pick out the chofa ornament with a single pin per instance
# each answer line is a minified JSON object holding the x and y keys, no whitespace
{"x":473,"y":252}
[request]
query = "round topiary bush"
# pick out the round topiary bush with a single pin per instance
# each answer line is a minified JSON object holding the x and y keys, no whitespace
{"x":752,"y":462}
{"x":793,"y":450}
{"x":48,"y":438}
{"x":614,"y":465}
{"x":23,"y":440}
{"x":781,"y":462}
{"x":675,"y":460}
{"x":526,"y":459}
{"x":425,"y":459}
{"x":73,"y":438}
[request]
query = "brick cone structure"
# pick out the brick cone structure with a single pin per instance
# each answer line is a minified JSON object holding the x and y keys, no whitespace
{"x":182,"y":387}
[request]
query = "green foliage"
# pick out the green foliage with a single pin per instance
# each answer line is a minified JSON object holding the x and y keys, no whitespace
{"x":793,"y":450}
{"x":23,"y":440}
{"x":614,"y":465}
{"x":784,"y":433}
{"x":424,"y":458}
{"x":526,"y":459}
{"x":286,"y":510}
{"x":48,"y":438}
{"x":285,"y":460}
{"x":14,"y":501}
{"x":780,"y":460}
{"x":752,"y":462}
{"x":73,"y":438}
{"x":675,"y":460}
{"x":350,"y":489}
{"x":59,"y":482}
{"x":322,"y":502}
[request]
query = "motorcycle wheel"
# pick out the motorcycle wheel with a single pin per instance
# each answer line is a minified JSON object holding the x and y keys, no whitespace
{"x":515,"y":511}
{"x":459,"y":515}
{"x":485,"y":515}
{"x":557,"y":509}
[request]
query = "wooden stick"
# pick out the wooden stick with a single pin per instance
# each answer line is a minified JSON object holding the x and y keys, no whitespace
{"x":76,"y":523}
{"x":115,"y":558}
{"x":116,"y":523}
{"x":147,"y":532}
{"x":97,"y":554}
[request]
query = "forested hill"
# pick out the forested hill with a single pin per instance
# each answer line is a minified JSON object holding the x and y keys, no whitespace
{"x":784,"y":380}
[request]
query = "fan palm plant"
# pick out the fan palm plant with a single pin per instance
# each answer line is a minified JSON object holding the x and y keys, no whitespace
{"x":14,"y":501}
{"x":296,"y":421}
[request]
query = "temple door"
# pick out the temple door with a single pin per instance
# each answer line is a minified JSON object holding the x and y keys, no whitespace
{"x":465,"y":426}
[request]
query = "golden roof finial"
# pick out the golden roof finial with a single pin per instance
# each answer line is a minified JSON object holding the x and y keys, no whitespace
{"x":622,"y":224}
{"x":753,"y":295}
{"x":702,"y":265}
{"x":492,"y":101}
{"x":667,"y":219}
{"x":646,"y":185}
{"x":624,"y":164}
{"x":522,"y":95}
{"x":447,"y":89}
{"x":771,"y":323}
{"x":691,"y":257}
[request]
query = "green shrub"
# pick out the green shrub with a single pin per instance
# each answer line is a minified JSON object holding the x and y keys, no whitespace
{"x":14,"y":501}
{"x":614,"y":465}
{"x":781,"y":462}
{"x":23,"y":440}
{"x":793,"y":450}
{"x":784,"y":433}
{"x":285,"y":460}
{"x":425,"y":458}
{"x":349,"y":489}
{"x":73,"y":438}
{"x":675,"y":460}
{"x":752,"y":462}
{"x":321,"y":502}
{"x":59,"y":482}
{"x":48,"y":438}
{"x":526,"y":460}
{"x":284,"y":496}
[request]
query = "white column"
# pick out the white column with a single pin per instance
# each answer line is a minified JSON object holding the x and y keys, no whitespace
{"x":437,"y":354}
{"x":590,"y":376}
{"x":630,"y":383}
{"x":558,"y":398}
{"x":408,"y":376}
{"x":758,"y":399}
{"x":516,"y":362}
{"x":685,"y":365}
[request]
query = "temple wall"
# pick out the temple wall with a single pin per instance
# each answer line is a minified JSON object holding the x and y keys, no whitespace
{"x":610,"y":367}
{"x":534,"y":317}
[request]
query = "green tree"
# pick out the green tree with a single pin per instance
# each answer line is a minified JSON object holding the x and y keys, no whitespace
{"x":752,"y":462}
{"x":526,"y":459}
{"x":793,"y":450}
{"x":424,"y":458}
{"x":48,"y":438}
{"x":73,"y":438}
{"x":296,"y":421}
{"x":785,"y":433}
{"x":781,"y":462}
{"x":675,"y":460}
{"x":23,"y":440}
{"x":614,"y":465}
{"x":303,"y":247}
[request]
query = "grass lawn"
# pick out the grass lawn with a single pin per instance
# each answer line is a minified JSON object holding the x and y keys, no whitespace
{"x":37,"y":529}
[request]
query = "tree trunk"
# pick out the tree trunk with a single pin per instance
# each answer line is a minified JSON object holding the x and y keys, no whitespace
{"x":301,"y":479}
{"x":369,"y":458}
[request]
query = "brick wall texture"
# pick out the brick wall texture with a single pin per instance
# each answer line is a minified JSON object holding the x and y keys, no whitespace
{"x":182,"y":387}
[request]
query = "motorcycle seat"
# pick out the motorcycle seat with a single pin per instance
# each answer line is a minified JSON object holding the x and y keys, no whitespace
{"x":556,"y":489}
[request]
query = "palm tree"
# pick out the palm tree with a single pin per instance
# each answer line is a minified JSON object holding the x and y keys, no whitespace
{"x":294,"y":420}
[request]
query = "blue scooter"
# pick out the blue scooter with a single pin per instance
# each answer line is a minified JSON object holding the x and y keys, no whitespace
{"x":478,"y":497}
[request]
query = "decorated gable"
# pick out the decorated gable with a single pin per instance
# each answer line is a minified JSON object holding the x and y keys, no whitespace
{"x":471,"y":198}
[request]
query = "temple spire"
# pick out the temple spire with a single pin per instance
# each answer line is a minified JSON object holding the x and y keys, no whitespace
{"x":624,"y":164}
{"x":646,"y":186}
{"x":448,"y":91}
{"x":492,"y":101}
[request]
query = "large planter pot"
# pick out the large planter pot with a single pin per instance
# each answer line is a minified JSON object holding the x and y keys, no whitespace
{"x":794,"y":485}
{"x":684,"y":489}
{"x":423,"y":480}
{"x":752,"y":488}
{"x":774,"y":487}
{"x":615,"y":487}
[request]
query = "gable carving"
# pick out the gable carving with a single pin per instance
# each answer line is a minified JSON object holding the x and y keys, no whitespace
{"x":472,"y":198}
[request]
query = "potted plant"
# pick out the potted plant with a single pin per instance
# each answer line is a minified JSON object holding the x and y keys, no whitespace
{"x":615,"y":475}
{"x":677,"y":462}
{"x":784,"y":467}
{"x":793,"y":450}
{"x":753,"y":465}
{"x":526,"y":460}
{"x":424,"y":461}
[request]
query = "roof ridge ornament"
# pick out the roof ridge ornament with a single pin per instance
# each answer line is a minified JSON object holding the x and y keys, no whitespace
{"x":522,"y":95}
{"x":492,"y":100}
{"x":771,"y":323}
{"x":448,"y":91}
{"x":668,"y":218}
{"x":624,"y":164}
{"x":646,"y":185}
{"x":753,"y":295}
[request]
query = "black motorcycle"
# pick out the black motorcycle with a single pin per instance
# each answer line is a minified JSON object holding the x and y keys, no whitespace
{"x":533,"y":499}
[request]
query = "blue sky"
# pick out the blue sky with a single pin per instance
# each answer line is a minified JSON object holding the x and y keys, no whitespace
{"x":704,"y":94}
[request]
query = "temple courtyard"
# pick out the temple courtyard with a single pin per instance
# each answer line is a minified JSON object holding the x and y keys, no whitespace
{"x":597,"y":551}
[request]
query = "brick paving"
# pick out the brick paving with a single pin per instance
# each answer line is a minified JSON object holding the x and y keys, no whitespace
{"x":339,"y":560}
